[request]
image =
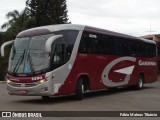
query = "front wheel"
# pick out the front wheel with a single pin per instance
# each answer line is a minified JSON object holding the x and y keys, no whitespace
{"x":79,"y":90}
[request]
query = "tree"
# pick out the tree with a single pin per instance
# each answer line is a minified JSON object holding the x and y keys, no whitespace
{"x":48,"y":12}
{"x":17,"y":22}
{"x":3,"y":61}
{"x":12,"y":16}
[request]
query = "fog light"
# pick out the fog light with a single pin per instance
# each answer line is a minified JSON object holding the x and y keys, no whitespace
{"x":45,"y":89}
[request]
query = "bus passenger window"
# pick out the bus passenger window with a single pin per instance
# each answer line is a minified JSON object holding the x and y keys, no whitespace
{"x":131,"y":45}
{"x":121,"y":47}
{"x":88,"y":44}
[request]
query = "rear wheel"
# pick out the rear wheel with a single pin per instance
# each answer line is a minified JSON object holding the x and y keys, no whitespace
{"x":79,"y":90}
{"x":140,"y":83}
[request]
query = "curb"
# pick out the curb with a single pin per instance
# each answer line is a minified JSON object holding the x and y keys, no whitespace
{"x":2,"y":81}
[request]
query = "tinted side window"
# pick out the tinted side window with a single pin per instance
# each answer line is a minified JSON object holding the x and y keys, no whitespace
{"x":106,"y":45}
{"x":93,"y":43}
{"x":150,"y":50}
{"x":141,"y":49}
{"x":132,"y":48}
{"x":121,"y":47}
{"x":145,"y":49}
{"x":88,"y":43}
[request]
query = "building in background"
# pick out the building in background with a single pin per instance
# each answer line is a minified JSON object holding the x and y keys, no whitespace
{"x":154,"y":37}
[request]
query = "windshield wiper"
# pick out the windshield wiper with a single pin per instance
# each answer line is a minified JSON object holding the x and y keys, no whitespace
{"x":14,"y":52}
{"x":31,"y":64}
{"x":20,"y":60}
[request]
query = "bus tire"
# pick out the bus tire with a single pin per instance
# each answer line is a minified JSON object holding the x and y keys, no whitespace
{"x":45,"y":97}
{"x":79,"y":90}
{"x":140,"y":83}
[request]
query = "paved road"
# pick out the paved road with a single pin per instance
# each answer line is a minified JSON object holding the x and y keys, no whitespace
{"x":147,"y":99}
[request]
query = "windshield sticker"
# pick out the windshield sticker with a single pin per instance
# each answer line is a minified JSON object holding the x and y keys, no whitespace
{"x":27,"y":69}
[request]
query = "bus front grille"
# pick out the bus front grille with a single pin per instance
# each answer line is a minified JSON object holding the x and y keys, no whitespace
{"x":23,"y":84}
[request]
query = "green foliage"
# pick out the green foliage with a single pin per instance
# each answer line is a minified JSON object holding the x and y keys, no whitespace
{"x":29,"y":23}
{"x":17,"y":22}
{"x":1,"y":37}
{"x":3,"y":65}
{"x":12,"y":16}
{"x":47,"y":12}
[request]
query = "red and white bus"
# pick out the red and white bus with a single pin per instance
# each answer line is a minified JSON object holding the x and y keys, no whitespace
{"x":72,"y":59}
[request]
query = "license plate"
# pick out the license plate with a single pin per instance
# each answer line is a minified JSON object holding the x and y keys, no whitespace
{"x":23,"y":91}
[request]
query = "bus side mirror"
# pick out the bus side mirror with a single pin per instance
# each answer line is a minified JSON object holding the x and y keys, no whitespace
{"x":4,"y":45}
{"x":49,"y":42}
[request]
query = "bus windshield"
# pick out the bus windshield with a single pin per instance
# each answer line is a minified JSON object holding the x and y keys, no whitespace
{"x":28,"y":55}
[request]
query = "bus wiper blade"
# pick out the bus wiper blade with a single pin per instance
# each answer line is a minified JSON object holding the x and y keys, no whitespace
{"x":14,"y":52}
{"x":31,"y":64}
{"x":19,"y":62}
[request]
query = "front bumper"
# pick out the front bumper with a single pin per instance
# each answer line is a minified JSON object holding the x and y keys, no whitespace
{"x":44,"y":89}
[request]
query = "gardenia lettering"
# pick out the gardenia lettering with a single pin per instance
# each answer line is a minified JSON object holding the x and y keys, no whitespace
{"x":146,"y":63}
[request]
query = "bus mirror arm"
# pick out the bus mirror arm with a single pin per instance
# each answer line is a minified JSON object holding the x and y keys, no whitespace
{"x":49,"y":42}
{"x":4,"y":45}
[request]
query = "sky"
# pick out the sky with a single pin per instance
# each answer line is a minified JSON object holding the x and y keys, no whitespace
{"x":132,"y":17}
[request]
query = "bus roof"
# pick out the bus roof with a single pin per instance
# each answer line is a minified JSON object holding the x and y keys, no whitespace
{"x":52,"y":28}
{"x":49,"y":29}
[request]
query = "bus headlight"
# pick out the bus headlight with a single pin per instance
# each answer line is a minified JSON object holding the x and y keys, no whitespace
{"x":42,"y":81}
{"x":45,"y":80}
{"x":9,"y":82}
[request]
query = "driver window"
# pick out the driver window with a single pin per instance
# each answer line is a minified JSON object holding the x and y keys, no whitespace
{"x":62,"y":48}
{"x":58,"y":50}
{"x":59,"y":53}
